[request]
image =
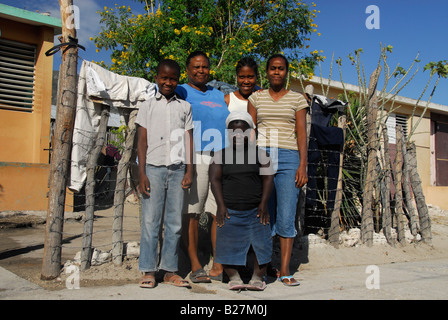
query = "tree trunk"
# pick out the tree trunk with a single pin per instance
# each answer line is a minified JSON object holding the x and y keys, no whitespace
{"x":372,"y":136}
{"x":387,"y":216}
{"x":120,"y":189}
{"x":422,"y":209}
{"x":398,"y":183}
{"x":408,"y":193}
{"x":60,"y":158}
{"x":92,"y":162}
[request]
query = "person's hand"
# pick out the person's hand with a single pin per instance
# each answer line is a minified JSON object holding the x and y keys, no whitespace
{"x":143,"y":185}
{"x":221,"y":215}
{"x":263,"y":214}
{"x":187,"y":180}
{"x":301,"y":177}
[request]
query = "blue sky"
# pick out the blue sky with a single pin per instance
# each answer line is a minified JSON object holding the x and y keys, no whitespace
{"x":410,"y":26}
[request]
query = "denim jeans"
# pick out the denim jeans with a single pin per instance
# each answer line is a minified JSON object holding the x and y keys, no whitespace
{"x":283,"y":201}
{"x":165,"y":201}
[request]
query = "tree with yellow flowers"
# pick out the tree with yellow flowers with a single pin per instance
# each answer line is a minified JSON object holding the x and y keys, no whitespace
{"x":226,"y":29}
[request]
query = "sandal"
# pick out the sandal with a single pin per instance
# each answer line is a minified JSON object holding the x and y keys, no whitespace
{"x":236,"y":285}
{"x":217,"y":278}
{"x":288,"y":281}
{"x":175,"y":280}
{"x":147,"y":281}
{"x":256,"y":285}
{"x":196,"y":276}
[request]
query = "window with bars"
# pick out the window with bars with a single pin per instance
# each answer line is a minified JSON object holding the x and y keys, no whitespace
{"x":17,"y":62}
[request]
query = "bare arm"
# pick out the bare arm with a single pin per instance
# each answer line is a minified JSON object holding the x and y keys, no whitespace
{"x":301,"y":174}
{"x":252,"y":111}
{"x":227,"y":99}
{"x":188,"y":177}
{"x":215,"y":176}
{"x":267,"y":176}
{"x":142,"y":147}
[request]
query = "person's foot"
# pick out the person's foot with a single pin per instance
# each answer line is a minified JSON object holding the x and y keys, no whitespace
{"x":256,"y":285}
{"x":216,"y":272}
{"x":175,"y":280}
{"x":148,"y":280}
{"x":288,"y":281}
{"x":199,"y":276}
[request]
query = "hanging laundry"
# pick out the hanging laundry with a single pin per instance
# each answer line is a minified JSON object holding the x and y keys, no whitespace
{"x":98,"y":86}
{"x":324,"y":148}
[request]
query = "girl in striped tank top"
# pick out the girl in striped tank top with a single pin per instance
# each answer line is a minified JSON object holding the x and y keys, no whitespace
{"x":280,"y":117}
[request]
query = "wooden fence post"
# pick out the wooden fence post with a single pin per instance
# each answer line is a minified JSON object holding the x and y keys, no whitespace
{"x":333,"y":233}
{"x":120,"y":189}
{"x":372,"y":136}
{"x":416,"y":183}
{"x":408,"y":193}
{"x":387,"y":215}
{"x":60,"y":158}
{"x":398,"y":186}
{"x":92,"y":162}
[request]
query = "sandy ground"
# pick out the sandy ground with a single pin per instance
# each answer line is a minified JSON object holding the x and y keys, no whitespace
{"x":22,"y":238}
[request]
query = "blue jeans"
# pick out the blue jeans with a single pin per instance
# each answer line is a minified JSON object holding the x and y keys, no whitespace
{"x":165,"y":201}
{"x":283,"y":201}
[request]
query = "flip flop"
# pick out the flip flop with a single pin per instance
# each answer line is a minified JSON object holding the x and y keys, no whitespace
{"x":217,"y":278}
{"x":236,"y":285}
{"x":256,"y":285}
{"x":200,"y":273}
{"x":176,"y":280}
{"x":147,"y":281}
{"x":286,"y":280}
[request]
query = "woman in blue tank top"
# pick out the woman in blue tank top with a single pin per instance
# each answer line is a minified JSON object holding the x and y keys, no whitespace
{"x":209,"y":135}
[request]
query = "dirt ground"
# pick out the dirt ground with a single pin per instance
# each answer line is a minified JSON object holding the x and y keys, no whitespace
{"x":22,"y":244}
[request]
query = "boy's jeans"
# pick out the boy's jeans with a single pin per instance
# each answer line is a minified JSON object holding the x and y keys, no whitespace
{"x":166,"y":200}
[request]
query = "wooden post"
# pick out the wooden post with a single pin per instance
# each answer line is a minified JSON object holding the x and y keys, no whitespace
{"x":422,"y":209}
{"x":372,"y":136}
{"x":408,"y":193}
{"x":387,"y":216}
{"x":92,"y":162}
{"x":120,"y":189}
{"x":60,"y":158}
{"x":333,"y":233}
{"x":398,"y":189}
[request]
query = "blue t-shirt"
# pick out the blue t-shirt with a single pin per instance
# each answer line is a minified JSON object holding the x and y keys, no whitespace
{"x":209,"y":117}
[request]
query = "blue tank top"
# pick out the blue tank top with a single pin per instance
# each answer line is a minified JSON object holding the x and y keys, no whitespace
{"x":209,"y":117}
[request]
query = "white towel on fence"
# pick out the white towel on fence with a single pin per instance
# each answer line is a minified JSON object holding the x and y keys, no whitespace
{"x":115,"y":90}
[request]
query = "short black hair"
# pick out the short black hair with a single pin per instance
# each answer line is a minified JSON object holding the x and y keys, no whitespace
{"x":195,"y":54}
{"x":247,"y":62}
{"x":170,"y":64}
{"x":277,"y":55}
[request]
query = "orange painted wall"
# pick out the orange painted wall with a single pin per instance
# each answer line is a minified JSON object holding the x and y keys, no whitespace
{"x":24,"y":136}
